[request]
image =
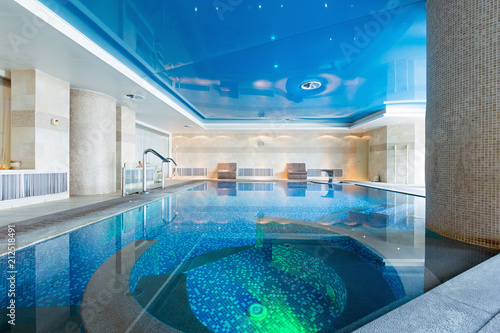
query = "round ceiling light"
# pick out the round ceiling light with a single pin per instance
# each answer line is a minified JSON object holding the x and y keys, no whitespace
{"x":135,"y":97}
{"x":310,"y":85}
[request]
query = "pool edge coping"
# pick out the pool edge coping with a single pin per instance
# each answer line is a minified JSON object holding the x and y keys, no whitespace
{"x":154,"y":195}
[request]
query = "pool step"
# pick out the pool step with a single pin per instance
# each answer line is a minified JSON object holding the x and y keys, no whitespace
{"x":170,"y":303}
{"x":208,"y":258}
{"x":382,"y":217}
{"x":108,"y":306}
{"x":335,"y":215}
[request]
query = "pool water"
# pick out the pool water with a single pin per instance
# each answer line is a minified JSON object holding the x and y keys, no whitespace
{"x":239,"y":257}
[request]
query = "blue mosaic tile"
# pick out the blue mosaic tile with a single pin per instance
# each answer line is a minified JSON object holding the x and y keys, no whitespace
{"x":56,"y":272}
{"x":297,"y":301}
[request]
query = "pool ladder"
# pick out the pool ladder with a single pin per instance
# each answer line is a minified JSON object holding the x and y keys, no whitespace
{"x":164,"y":160}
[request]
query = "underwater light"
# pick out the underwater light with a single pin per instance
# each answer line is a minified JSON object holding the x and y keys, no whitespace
{"x":331,"y":293}
{"x":311,"y":85}
{"x":257,"y":311}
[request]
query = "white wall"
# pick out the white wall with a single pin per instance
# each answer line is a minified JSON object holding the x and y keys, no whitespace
{"x":148,"y":138}
{"x":319,"y":150}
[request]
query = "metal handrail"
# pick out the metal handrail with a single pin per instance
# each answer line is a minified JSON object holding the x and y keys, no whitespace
{"x":164,"y":160}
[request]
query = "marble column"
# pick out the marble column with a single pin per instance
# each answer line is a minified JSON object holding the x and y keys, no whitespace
{"x":463,"y":121}
{"x":125,"y":140}
{"x":93,"y":143}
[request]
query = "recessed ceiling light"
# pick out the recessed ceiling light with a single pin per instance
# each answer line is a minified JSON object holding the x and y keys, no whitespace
{"x":188,"y":126}
{"x":311,"y":85}
{"x":135,"y":97}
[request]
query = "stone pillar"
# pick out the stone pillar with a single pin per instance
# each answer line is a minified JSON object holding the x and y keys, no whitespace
{"x":93,"y":143}
{"x":463,"y":121}
{"x":125,"y":140}
{"x":40,"y":121}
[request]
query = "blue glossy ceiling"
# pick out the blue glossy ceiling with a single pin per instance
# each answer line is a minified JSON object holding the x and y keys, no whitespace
{"x":246,"y":59}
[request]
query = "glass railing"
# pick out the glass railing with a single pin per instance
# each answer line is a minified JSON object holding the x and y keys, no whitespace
{"x":132,"y":178}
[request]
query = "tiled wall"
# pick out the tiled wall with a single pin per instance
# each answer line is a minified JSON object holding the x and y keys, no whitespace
{"x":410,"y":153}
{"x":405,"y":140}
{"x":317,"y":149}
{"x":4,"y":123}
{"x":37,"y":100}
{"x":463,"y":121}
{"x":23,"y":117}
{"x":125,"y":140}
{"x":377,"y":158}
{"x":93,"y":143}
{"x":419,"y":161}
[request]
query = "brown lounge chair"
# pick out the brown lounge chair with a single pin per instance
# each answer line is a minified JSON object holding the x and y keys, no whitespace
{"x":296,"y":170}
{"x":226,"y":171}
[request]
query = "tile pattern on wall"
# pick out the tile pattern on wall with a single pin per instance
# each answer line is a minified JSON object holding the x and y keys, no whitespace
{"x":463,"y":121}
{"x":386,"y":141}
{"x":37,"y":139}
{"x":377,"y":160}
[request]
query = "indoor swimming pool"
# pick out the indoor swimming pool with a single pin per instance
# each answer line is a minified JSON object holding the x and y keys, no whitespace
{"x":229,"y":257}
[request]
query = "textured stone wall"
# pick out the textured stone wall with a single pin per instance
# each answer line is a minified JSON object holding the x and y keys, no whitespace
{"x":93,"y":143}
{"x":463,"y":120}
{"x":317,"y":149}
